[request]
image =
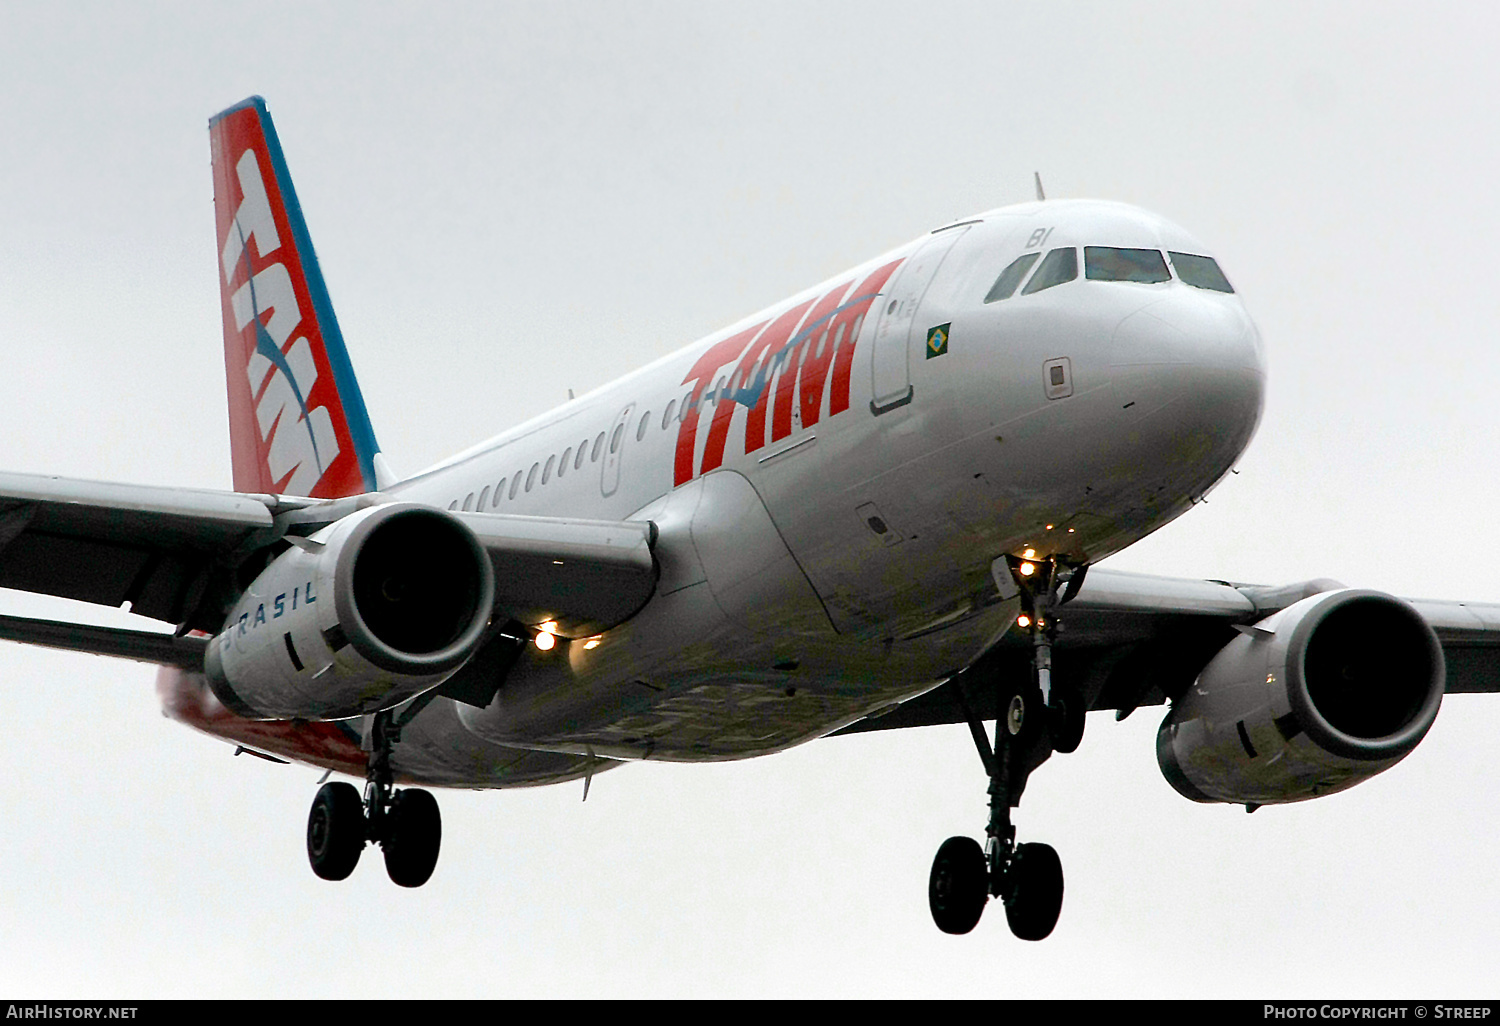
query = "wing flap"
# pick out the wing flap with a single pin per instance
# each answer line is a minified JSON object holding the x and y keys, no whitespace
{"x":142,"y":646}
{"x":1470,"y":633}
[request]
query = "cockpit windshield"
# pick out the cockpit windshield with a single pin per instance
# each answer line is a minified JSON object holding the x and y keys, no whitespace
{"x":1060,"y":266}
{"x":1106,"y":263}
{"x":1005,"y":285}
{"x":1201,"y":272}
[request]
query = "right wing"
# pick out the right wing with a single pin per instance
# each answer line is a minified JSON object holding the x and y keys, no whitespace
{"x":1131,"y":640}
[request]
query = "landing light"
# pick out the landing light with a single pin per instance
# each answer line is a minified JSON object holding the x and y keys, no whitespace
{"x":1027,"y":569}
{"x":1023,"y":621}
{"x":545,"y":641}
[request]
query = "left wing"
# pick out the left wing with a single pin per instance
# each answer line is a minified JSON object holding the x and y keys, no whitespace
{"x":152,"y":550}
{"x":183,"y":556}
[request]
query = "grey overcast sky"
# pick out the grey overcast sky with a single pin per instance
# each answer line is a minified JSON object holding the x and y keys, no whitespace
{"x":513,"y":200}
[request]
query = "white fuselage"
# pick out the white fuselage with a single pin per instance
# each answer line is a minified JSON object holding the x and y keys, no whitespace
{"x":832,"y":481}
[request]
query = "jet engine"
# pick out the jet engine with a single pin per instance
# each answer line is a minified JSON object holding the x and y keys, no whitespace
{"x":1312,"y":700}
{"x":372,"y":610}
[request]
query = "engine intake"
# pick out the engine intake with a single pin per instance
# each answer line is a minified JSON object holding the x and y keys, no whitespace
{"x":370,"y":611}
{"x":1314,"y":699}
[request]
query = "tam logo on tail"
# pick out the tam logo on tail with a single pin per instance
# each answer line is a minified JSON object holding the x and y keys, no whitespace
{"x":297,"y":421}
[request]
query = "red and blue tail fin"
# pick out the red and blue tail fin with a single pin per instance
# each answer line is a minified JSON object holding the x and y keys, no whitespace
{"x":297,"y":421}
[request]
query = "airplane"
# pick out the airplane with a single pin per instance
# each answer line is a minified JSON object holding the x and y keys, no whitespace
{"x":878,"y":504}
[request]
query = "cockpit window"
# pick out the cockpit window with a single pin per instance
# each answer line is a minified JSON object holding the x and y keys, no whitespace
{"x":1106,"y":263}
{"x":1061,"y":265}
{"x":1201,"y":272}
{"x":1005,"y":285}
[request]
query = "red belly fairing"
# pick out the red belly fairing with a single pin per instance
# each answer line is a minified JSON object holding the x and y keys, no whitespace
{"x":435,"y":750}
{"x":185,"y":697}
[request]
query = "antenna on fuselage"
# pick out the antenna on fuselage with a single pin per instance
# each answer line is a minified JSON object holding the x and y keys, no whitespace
{"x":1040,"y":195}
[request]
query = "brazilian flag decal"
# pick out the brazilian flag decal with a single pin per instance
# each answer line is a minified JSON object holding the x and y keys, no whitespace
{"x":937,"y":340}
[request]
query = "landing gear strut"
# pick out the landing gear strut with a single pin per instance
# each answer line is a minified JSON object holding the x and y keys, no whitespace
{"x":406,"y":824}
{"x":1034,"y":720}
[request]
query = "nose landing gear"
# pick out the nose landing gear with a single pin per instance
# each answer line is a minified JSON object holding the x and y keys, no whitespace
{"x":406,"y":824}
{"x":1034,"y":720}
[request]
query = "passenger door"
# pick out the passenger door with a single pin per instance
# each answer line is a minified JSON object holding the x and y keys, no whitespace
{"x":614,"y":449}
{"x":890,"y":370}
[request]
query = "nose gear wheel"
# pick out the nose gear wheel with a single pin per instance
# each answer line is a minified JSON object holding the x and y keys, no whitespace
{"x":1033,"y":719}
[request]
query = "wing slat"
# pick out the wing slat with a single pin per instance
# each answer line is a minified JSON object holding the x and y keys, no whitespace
{"x":584,"y":575}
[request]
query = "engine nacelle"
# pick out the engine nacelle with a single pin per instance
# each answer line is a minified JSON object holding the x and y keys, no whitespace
{"x":1312,"y":700}
{"x":370,"y":611}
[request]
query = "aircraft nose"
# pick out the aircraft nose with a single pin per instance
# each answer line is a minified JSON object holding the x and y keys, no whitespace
{"x":1191,"y":365}
{"x":1189,"y":327}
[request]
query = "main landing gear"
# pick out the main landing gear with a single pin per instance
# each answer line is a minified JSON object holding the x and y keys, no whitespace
{"x":406,"y":824}
{"x":1034,"y":720}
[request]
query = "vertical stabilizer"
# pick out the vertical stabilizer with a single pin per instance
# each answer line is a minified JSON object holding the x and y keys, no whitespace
{"x":297,"y":421}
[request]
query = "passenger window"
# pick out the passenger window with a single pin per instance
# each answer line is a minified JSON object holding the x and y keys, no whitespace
{"x":484,"y":496}
{"x":687,"y":404}
{"x":515,"y":484}
{"x":1010,"y":279}
{"x":1060,"y":266}
{"x":583,"y":447}
{"x":499,"y":492}
{"x":614,"y":439}
{"x":1201,"y":272}
{"x":468,"y":502}
{"x":666,"y":417}
{"x":562,"y":464}
{"x":1106,"y":263}
{"x":640,"y":431}
{"x":531,"y":477}
{"x":547,"y":471}
{"x":453,"y":504}
{"x":598,"y":447}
